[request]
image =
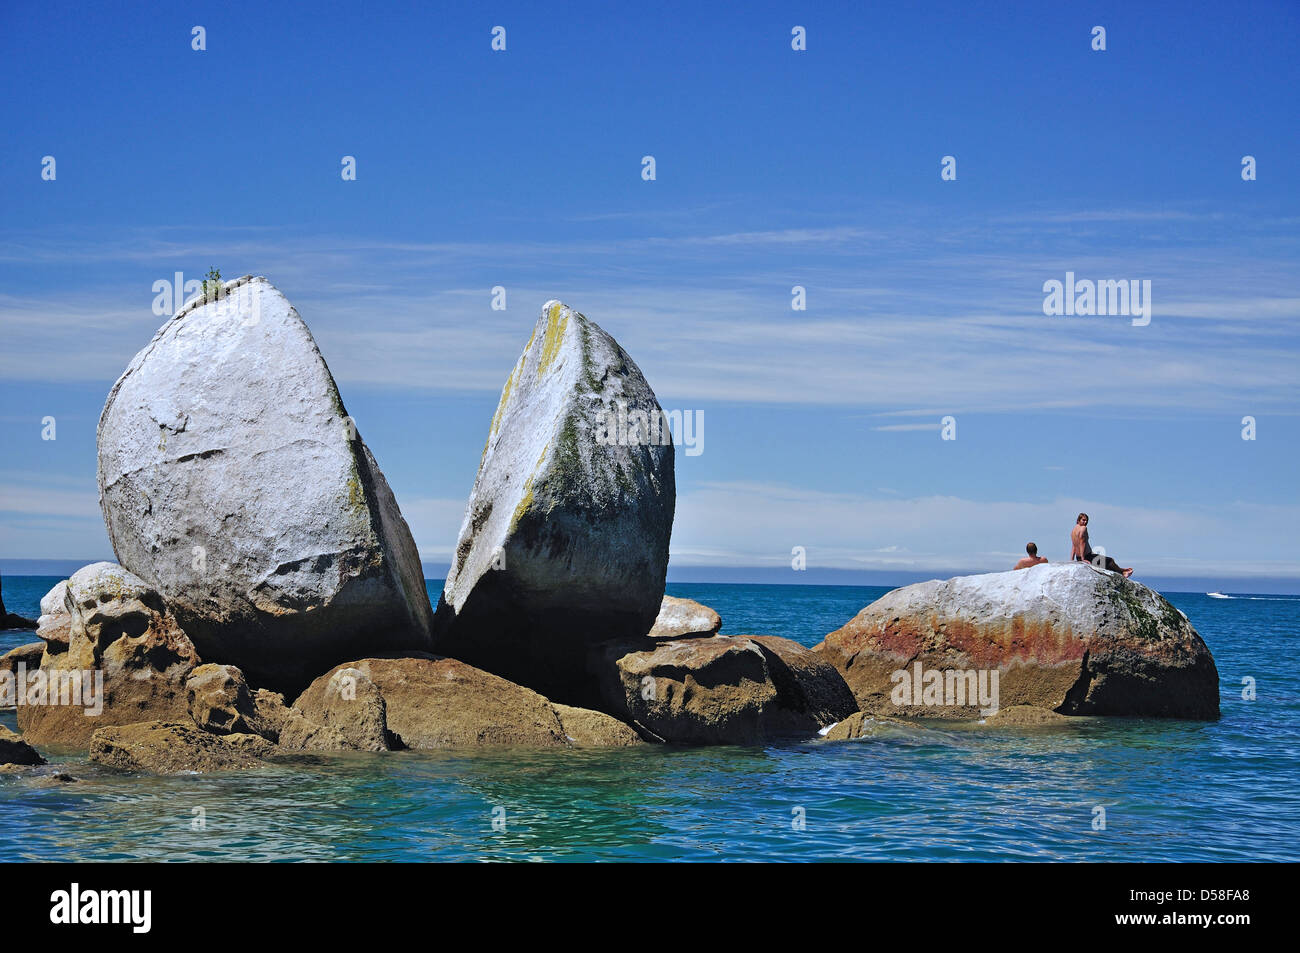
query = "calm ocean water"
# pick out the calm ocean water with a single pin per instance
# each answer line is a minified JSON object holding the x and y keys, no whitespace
{"x":1172,"y":790}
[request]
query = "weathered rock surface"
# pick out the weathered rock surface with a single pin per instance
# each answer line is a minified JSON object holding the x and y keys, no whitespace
{"x":432,"y":702}
{"x":28,"y":655}
{"x":862,"y":725}
{"x":342,"y":710}
{"x":565,"y":538}
{"x":232,"y":479}
{"x":54,"y":626}
{"x":1026,"y":716}
{"x":175,"y":747}
{"x":120,"y":628}
{"x":721,"y":689}
{"x":272,"y":712}
{"x":220,"y":701}
{"x":1063,"y":637}
{"x":595,"y":729}
{"x":13,"y":750}
{"x":680,"y":618}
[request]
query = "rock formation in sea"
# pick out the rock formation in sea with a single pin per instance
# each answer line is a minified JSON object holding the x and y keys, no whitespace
{"x":55,"y":624}
{"x":15,"y":752}
{"x":679,"y":618}
{"x":1064,"y":637}
{"x":233,"y":481}
{"x":28,"y":655}
{"x":720,"y":689}
{"x":565,"y":537}
{"x":220,"y":701}
{"x":120,"y":630}
{"x":162,"y":747}
{"x":431,"y":702}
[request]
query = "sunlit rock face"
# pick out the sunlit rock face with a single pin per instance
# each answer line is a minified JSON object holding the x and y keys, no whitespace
{"x":565,"y":538}
{"x":232,"y":479}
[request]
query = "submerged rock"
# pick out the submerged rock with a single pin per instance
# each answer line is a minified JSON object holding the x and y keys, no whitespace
{"x":122,"y":633}
{"x":1064,"y":637}
{"x":232,"y":479}
{"x":862,"y":725}
{"x":14,"y":750}
{"x":721,"y":689}
{"x":565,"y":538}
{"x":163,"y":747}
{"x":679,"y":618}
{"x":1025,"y":716}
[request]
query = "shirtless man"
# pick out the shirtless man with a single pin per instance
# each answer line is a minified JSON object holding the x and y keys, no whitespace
{"x":1033,"y":559}
{"x":1081,"y":549}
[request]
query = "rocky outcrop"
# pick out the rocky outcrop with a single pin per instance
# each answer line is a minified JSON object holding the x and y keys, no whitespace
{"x":272,"y":712}
{"x":122,"y":633}
{"x":594,"y":729}
{"x":343,"y":710}
{"x":161,"y":747}
{"x":9,"y":620}
{"x":28,"y":655}
{"x":13,"y":750}
{"x":722,"y":689}
{"x":232,"y":480}
{"x":680,"y":618}
{"x":565,"y":538}
{"x":862,"y":725}
{"x":220,"y":701}
{"x":431,"y":702}
{"x":54,"y":627}
{"x":1026,"y":716}
{"x":1064,"y":637}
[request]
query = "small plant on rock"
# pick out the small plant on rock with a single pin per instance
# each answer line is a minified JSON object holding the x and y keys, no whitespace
{"x":212,"y":285}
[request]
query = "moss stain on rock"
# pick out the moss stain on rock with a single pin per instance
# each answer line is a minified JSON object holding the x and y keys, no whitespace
{"x":523,"y":506}
{"x":557,"y":319}
{"x":501,"y":405}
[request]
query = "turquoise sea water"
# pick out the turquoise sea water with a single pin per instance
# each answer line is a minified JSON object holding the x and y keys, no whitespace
{"x":1171,"y":790}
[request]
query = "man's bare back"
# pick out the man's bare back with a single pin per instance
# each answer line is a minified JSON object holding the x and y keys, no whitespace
{"x":1081,"y":548}
{"x":1033,"y":559}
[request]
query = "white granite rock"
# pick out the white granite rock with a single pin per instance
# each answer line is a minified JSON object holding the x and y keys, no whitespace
{"x":679,"y":618}
{"x":232,"y":479}
{"x":565,"y":538}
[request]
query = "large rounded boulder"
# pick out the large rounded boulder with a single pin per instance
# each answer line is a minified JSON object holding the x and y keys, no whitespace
{"x":1066,"y":637}
{"x":565,"y":538}
{"x":232,"y":479}
{"x":722,"y":689}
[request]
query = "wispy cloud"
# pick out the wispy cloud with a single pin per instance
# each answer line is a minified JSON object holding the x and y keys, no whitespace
{"x":902,"y":327}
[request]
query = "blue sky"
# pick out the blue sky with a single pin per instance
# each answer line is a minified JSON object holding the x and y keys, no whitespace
{"x":774,"y":168}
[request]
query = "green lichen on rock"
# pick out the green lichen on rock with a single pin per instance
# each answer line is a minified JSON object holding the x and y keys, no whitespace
{"x":588,"y":365}
{"x":586,"y":521}
{"x":505,"y":399}
{"x":1145,"y":625}
{"x":524,"y":503}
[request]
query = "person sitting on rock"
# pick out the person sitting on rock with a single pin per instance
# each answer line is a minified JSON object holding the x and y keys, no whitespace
{"x":1033,"y":559}
{"x":1081,"y":549}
